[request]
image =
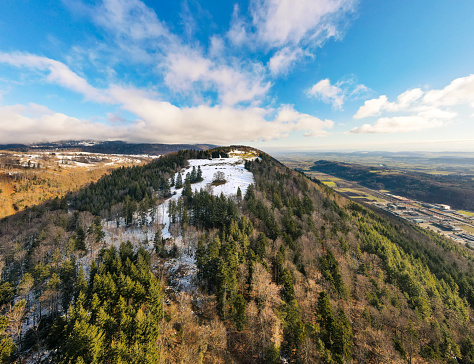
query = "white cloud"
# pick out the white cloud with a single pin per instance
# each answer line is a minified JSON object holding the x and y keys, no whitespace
{"x":217,"y":47}
{"x":283,"y":22}
{"x":59,"y":73}
{"x":375,"y":107}
{"x":459,"y":91}
{"x":283,"y":60}
{"x":34,"y":123}
{"x":419,"y":109}
{"x":237,"y":34}
{"x":430,"y":118}
{"x":328,"y":93}
{"x":159,"y":121}
{"x":129,"y":19}
{"x":338,"y":93}
{"x":372,"y":107}
{"x":185,"y":69}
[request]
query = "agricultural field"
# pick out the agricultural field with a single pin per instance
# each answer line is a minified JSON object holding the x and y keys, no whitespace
{"x":468,"y":228}
{"x":28,"y":179}
{"x":426,"y":162}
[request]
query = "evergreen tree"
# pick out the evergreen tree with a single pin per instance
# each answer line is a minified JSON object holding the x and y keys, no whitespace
{"x":179,"y":181}
{"x":239,"y":312}
{"x":239,"y":194}
{"x":80,"y":239}
{"x":193,"y":177}
{"x":199,"y":174}
{"x":261,"y":245}
{"x":288,"y":285}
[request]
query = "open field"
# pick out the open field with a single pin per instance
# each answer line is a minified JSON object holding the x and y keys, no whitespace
{"x":467,"y":228}
{"x":467,"y":213}
{"x":28,"y":179}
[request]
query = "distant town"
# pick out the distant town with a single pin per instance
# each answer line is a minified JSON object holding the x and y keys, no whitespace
{"x":454,"y":224}
{"x":437,"y":217}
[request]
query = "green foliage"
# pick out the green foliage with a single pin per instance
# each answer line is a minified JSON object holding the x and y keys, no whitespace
{"x":288,"y":285}
{"x":7,"y":291}
{"x":240,"y":317}
{"x":330,"y":271}
{"x":336,"y":332}
{"x":7,"y":347}
{"x":119,"y":323}
{"x":294,"y":332}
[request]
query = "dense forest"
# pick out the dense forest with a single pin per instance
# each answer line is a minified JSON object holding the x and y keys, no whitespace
{"x":454,"y":190}
{"x":286,"y":270}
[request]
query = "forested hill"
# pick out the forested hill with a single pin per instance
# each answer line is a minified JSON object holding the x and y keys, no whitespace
{"x":140,"y":267}
{"x":454,"y":190}
{"x":108,"y":147}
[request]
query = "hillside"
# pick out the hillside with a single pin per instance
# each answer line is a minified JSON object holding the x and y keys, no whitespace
{"x":30,"y":178}
{"x":454,"y":190}
{"x":176,"y":262}
{"x":106,"y":147}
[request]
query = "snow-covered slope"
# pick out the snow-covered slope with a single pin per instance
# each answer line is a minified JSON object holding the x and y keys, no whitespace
{"x":235,"y":175}
{"x":181,"y":270}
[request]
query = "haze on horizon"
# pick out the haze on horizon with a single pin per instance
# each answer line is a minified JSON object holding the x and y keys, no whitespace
{"x":274,"y":74}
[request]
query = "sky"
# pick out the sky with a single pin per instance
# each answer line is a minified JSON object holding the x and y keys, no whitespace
{"x":274,"y":74}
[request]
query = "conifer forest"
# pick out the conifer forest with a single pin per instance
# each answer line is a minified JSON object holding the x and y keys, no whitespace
{"x":143,"y":267}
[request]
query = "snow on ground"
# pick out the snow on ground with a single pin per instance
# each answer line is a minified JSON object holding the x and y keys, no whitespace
{"x":235,"y":174}
{"x":182,"y":270}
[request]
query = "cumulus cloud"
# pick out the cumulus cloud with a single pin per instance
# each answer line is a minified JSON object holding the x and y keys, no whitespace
{"x":33,"y":123}
{"x":234,"y":85}
{"x":419,"y":109}
{"x":459,"y":91}
{"x":430,"y":118}
{"x":289,"y":30}
{"x":159,"y":121}
{"x":328,"y":93}
{"x":375,"y":107}
{"x":336,"y":94}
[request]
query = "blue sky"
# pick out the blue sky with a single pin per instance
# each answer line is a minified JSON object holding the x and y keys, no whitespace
{"x":306,"y":74}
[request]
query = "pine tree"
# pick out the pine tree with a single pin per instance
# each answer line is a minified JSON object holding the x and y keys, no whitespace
{"x":327,"y":320}
{"x":179,"y":181}
{"x":240,"y":317}
{"x":261,"y":245}
{"x":199,"y":174}
{"x":80,"y":239}
{"x":193,"y":177}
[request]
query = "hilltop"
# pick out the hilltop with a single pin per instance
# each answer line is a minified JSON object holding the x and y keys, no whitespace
{"x":227,"y":256}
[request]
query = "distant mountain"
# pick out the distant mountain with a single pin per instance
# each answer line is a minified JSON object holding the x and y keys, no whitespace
{"x":107,"y":147}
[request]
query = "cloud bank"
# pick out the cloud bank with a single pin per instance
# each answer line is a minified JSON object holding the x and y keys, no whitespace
{"x":416,"y":109}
